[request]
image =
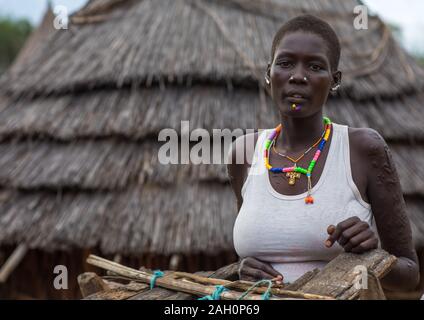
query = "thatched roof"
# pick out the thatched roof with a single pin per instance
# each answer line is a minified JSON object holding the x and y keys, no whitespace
{"x":79,"y":120}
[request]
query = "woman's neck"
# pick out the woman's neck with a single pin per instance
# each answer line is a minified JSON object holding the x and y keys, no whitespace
{"x":297,"y":134}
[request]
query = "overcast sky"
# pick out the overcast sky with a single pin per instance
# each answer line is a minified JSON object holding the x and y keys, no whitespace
{"x":407,"y":14}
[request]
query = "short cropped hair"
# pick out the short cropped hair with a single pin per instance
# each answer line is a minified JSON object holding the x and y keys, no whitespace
{"x":311,"y":24}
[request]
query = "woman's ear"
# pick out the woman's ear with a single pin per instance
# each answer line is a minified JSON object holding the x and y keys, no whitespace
{"x":337,"y":79}
{"x":336,"y":82}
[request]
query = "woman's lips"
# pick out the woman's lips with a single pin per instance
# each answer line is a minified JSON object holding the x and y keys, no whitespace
{"x":296,"y":100}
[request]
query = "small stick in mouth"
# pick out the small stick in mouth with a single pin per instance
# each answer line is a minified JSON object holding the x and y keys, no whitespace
{"x":295,"y":107}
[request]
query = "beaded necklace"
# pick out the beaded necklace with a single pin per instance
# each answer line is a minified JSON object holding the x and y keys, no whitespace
{"x":295,"y":171}
{"x":303,"y":154}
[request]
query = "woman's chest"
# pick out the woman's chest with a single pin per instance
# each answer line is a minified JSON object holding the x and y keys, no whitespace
{"x":294,"y":183}
{"x":290,"y":230}
{"x":267,"y":225}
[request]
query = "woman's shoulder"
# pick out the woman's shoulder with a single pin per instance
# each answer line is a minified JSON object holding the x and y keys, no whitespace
{"x":368,"y":150}
{"x":366,"y":140}
{"x":367,"y":147}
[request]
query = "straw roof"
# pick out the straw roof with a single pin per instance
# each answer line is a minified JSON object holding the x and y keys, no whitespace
{"x":79,"y":120}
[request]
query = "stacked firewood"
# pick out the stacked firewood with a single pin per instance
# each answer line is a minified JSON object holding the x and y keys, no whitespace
{"x":342,"y":278}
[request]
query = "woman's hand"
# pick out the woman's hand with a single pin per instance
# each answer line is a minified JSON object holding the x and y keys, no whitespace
{"x":353,"y":234}
{"x":252,"y":269}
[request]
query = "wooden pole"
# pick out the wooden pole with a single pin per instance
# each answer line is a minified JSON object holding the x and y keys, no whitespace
{"x":244,"y":285}
{"x":12,"y":262}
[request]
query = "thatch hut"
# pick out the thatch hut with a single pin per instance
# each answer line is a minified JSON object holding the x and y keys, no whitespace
{"x":79,"y":123}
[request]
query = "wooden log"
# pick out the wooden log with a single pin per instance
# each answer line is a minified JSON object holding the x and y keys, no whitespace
{"x":300,"y":282}
{"x":118,"y":291}
{"x":90,"y":283}
{"x":166,"y":294}
{"x":165,"y":281}
{"x":113,"y":294}
{"x":241,"y":285}
{"x":337,"y":279}
{"x":229,"y":272}
{"x":168,"y":282}
{"x":158,"y":293}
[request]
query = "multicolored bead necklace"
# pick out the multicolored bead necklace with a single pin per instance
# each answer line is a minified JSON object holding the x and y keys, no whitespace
{"x":295,"y":171}
{"x":303,"y":154}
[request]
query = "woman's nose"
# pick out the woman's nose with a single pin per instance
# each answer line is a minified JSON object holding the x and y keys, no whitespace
{"x":299,"y":76}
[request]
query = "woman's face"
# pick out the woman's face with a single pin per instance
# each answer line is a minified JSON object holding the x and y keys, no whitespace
{"x":301,"y":55}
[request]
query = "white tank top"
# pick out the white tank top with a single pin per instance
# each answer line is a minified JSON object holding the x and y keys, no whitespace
{"x":282,"y":229}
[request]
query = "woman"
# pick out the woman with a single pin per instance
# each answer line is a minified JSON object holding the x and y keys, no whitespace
{"x":300,"y":207}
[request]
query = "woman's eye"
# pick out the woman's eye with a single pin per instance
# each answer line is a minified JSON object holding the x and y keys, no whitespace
{"x":316,"y":67}
{"x":284,"y":64}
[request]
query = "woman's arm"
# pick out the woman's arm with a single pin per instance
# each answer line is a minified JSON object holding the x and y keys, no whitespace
{"x":235,"y":171}
{"x":388,"y":206}
{"x":241,"y":150}
{"x":389,"y":210}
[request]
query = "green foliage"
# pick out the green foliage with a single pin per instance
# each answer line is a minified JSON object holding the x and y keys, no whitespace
{"x":421,"y":60}
{"x":13,"y":34}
